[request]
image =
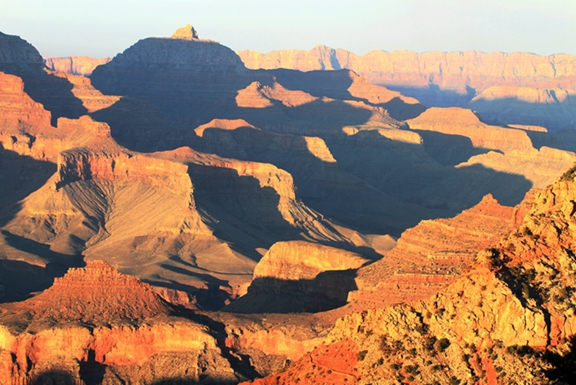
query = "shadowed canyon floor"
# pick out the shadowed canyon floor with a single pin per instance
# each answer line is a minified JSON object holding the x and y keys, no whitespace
{"x":177,"y":217}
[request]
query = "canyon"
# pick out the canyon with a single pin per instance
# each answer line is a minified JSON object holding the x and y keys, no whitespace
{"x":182,"y":213}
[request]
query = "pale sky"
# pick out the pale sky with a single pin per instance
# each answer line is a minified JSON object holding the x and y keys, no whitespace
{"x":102,"y":28}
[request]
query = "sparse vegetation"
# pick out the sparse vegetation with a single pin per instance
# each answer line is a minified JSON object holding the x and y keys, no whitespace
{"x":442,"y":344}
{"x":362,"y":355}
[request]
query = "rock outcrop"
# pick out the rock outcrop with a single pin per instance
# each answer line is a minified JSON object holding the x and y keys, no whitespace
{"x":431,"y":255}
{"x":97,"y":294}
{"x":298,"y":276}
{"x":303,"y":260}
{"x":185,"y":33}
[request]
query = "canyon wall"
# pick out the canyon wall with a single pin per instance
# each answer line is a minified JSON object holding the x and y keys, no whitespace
{"x":518,"y":87}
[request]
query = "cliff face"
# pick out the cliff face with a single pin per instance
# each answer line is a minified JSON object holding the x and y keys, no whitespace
{"x":75,"y":65}
{"x":447,"y":70}
{"x":431,"y":255}
{"x":505,"y":88}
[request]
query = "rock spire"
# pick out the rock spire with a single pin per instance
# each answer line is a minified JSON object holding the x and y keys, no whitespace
{"x":185,"y":33}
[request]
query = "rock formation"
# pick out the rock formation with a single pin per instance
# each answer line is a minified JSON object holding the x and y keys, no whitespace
{"x":185,"y":33}
{"x":431,"y":255}
{"x":96,"y":324}
{"x":75,"y":65}
{"x":505,"y":88}
{"x":463,"y":122}
{"x":302,"y":260}
{"x":299,"y":276}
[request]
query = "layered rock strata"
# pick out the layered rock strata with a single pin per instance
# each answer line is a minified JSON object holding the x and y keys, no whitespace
{"x":96,"y":323}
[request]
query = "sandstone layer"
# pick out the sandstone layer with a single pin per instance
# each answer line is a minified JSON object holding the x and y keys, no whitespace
{"x":431,"y":255}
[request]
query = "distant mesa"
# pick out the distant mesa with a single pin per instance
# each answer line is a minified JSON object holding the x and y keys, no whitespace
{"x":185,"y":33}
{"x":76,"y":65}
{"x":182,"y":51}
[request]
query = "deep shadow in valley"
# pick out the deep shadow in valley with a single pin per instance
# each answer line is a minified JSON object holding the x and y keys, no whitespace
{"x":21,"y":279}
{"x":434,"y":96}
{"x":54,"y":376}
{"x":376,"y":185}
{"x":53,"y":92}
{"x":555,"y":115}
{"x":449,"y":150}
{"x":19,"y":177}
{"x":335,"y":85}
{"x":328,"y":290}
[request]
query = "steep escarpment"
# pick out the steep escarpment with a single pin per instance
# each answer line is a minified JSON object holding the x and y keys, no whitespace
{"x":406,"y":69}
{"x":431,"y":255}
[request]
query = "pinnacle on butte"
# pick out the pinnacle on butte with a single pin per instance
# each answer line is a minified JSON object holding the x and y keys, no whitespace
{"x":185,"y":33}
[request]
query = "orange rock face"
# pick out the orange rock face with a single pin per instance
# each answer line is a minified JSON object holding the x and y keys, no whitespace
{"x":431,"y":255}
{"x":129,"y":331}
{"x":97,"y":294}
{"x":332,"y":364}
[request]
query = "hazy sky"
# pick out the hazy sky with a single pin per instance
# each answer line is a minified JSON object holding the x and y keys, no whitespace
{"x":106,"y":27}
